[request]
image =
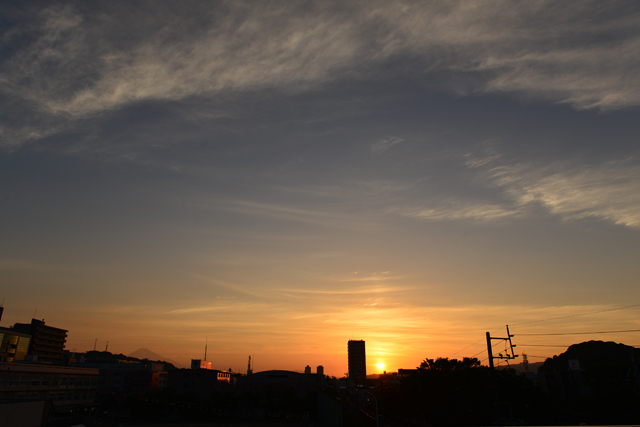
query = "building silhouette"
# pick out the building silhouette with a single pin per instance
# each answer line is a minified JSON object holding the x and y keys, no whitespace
{"x":279,"y":384}
{"x":200,"y":364}
{"x":14,"y":346}
{"x":122,"y":376}
{"x":68,"y":388}
{"x":47,"y":342}
{"x":357,"y":362}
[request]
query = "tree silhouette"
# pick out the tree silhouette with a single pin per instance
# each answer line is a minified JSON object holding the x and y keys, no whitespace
{"x":446,"y":392}
{"x":446,"y":364}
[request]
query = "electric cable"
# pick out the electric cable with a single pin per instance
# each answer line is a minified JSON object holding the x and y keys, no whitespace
{"x":584,"y":333}
{"x":542,"y":345}
{"x":552,"y":318}
{"x":577,"y":315}
{"x":471,"y":345}
{"x":483,"y":350}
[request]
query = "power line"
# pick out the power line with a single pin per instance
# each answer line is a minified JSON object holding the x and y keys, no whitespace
{"x":585,"y":333}
{"x":576,"y":315}
{"x":552,"y":318}
{"x":471,"y":345}
{"x":545,"y":320}
{"x":483,"y":350}
{"x":541,"y":345}
{"x":478,"y":353}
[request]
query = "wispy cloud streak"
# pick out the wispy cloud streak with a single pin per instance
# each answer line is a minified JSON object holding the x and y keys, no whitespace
{"x":608,"y":191}
{"x":463,"y":210}
{"x":351,"y":291}
{"x":384,"y":144}
{"x":69,"y":64}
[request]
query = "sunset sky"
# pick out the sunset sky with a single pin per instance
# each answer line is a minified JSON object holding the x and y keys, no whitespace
{"x":276,"y":178}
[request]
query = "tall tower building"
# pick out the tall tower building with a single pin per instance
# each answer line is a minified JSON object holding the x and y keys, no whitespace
{"x":357,"y":362}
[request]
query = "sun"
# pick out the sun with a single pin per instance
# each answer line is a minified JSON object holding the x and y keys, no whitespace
{"x":380,"y":366}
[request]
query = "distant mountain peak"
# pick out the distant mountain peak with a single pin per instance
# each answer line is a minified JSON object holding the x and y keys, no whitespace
{"x":145,"y":353}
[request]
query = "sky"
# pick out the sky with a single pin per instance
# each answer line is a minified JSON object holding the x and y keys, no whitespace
{"x":276,"y":178}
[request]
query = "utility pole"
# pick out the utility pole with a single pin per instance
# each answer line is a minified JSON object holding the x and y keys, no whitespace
{"x":489,"y":351}
{"x":107,"y":347}
{"x":506,"y":356}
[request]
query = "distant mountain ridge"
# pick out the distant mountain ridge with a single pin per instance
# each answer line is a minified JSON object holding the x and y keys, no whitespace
{"x":145,"y":353}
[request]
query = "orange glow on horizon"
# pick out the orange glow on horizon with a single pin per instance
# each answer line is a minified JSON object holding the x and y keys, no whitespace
{"x":402,"y":340}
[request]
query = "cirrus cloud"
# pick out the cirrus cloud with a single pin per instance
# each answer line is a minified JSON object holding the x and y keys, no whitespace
{"x":67,"y":64}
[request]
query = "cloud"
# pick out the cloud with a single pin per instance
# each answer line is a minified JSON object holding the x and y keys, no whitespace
{"x":221,"y":307}
{"x":476,"y":162}
{"x":375,"y":277}
{"x":67,"y":64}
{"x":596,"y":77}
{"x":609,"y":191}
{"x":341,"y":214}
{"x":284,"y":212}
{"x":384,"y":144}
{"x":232,"y":287}
{"x":368,"y":290}
{"x":33,"y":265}
{"x":454,"y":210}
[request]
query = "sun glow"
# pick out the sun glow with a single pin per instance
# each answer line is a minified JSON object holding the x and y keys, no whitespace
{"x":380,"y":366}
